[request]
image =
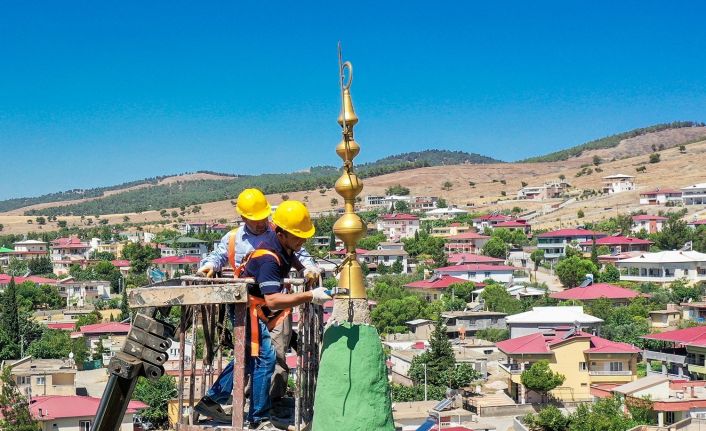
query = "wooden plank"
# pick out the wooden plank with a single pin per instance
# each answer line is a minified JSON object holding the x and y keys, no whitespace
{"x":187,"y":295}
{"x":239,"y":350}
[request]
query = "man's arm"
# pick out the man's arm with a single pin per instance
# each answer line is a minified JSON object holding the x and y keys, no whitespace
{"x":219,"y":256}
{"x":270,"y":282}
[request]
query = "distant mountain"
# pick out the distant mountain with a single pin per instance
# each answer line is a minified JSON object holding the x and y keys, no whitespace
{"x":610,"y":141}
{"x":176,"y":194}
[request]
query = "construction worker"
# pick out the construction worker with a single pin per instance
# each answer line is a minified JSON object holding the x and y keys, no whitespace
{"x":254,"y":209}
{"x":269,"y":300}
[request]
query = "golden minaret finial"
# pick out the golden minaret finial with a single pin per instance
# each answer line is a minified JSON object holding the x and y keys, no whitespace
{"x":349,"y":227}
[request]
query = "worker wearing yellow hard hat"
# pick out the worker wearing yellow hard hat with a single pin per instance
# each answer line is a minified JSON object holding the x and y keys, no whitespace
{"x":253,"y":207}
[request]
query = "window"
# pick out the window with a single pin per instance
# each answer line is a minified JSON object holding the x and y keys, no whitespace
{"x":23,"y":380}
{"x":616,"y":366}
{"x":84,"y":425}
{"x":41,"y":380}
{"x":582,"y":366}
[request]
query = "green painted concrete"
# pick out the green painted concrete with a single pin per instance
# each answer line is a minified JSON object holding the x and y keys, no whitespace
{"x":352,"y":391}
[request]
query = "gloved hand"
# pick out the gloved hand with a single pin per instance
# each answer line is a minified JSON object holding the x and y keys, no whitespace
{"x":311,"y":274}
{"x":319,"y":296}
{"x":206,"y":270}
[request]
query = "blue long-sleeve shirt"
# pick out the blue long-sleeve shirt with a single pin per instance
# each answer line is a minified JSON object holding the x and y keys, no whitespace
{"x":245,"y":242}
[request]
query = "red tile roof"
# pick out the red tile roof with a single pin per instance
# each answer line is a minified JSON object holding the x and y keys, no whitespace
{"x":618,"y":240}
{"x":694,"y":335}
{"x":494,"y":217}
{"x":71,"y":406}
{"x":399,"y":217}
{"x":648,"y":217}
{"x":177,"y":260}
{"x":436,"y":283}
{"x":571,"y":232}
{"x":467,"y":235}
{"x":472,"y":258}
{"x":106,"y":328}
{"x":698,"y":222}
{"x":539,"y":343}
{"x":476,"y":267}
{"x":343,"y":251}
{"x":595,"y":291}
{"x":4,"y":279}
{"x":512,"y":223}
{"x":120,"y":263}
{"x":71,"y":242}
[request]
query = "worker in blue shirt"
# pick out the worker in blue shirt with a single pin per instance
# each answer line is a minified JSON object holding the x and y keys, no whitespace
{"x":253,"y":207}
{"x":269,"y":300}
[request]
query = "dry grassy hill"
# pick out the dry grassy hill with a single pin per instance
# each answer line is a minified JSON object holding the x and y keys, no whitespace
{"x":674,"y":170}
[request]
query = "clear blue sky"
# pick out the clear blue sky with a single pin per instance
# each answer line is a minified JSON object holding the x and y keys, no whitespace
{"x":98,"y":93}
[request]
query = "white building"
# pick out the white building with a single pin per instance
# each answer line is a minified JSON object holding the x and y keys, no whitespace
{"x":618,"y":183}
{"x":694,"y":194}
{"x":661,"y":197}
{"x":445,"y":213}
{"x":664,"y":267}
{"x":184,"y":246}
{"x":554,"y":243}
{"x":479,"y":272}
{"x":544,"y":319}
{"x":386,"y":257}
{"x":398,"y":226}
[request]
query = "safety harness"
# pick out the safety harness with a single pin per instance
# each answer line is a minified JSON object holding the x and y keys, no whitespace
{"x":255,"y":303}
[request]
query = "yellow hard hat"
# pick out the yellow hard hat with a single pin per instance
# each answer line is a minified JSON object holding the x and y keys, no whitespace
{"x":253,"y":205}
{"x":293,"y":217}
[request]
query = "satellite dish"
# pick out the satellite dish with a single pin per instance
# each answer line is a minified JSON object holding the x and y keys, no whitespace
{"x":71,"y":355}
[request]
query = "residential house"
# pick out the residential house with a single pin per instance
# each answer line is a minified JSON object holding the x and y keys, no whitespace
{"x":670,"y":401}
{"x":648,"y":223}
{"x":5,"y":279}
{"x":195,"y":227}
{"x":445,"y":213}
{"x":433,"y":288}
{"x":461,"y":258}
{"x":68,"y":251}
{"x":375,"y":258}
{"x":391,"y":245}
{"x":546,"y":319}
{"x":30,"y":249}
{"x":664,"y":267}
{"x":618,"y":296}
{"x":680,"y":355}
{"x":421,"y":329}
{"x":401,"y":360}
{"x":554,"y":243}
{"x":321,"y":241}
{"x":170,"y":265}
{"x":80,"y":293}
{"x":184,"y":246}
{"x":462,"y":324}
{"x":489,"y":220}
{"x":584,"y":359}
{"x":617,"y":244}
{"x":41,"y":377}
{"x":390,"y":201}
{"x":480,"y":272}
{"x":694,"y":194}
{"x":694,"y":310}
{"x":423,"y":203}
{"x":100,"y":246}
{"x":550,"y":190}
{"x":111,"y":335}
{"x":398,"y":226}
{"x":75,"y":413}
{"x":469,"y":242}
{"x":618,"y":183}
{"x":516,"y":224}
{"x":452,"y":229}
{"x":662,"y":319}
{"x":123,"y":265}
{"x":374,"y":201}
{"x":661,"y":197}
{"x":137,"y":236}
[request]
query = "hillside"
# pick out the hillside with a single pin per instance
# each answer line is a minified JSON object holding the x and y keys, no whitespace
{"x":632,"y":143}
{"x":185,"y":190}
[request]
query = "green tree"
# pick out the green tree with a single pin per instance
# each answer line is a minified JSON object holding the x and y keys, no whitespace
{"x":681,"y":291}
{"x":124,"y":308}
{"x":17,"y":267}
{"x":371,"y":242}
{"x":32,"y":296}
{"x":493,"y":334}
{"x":156,"y":394}
{"x":390,"y":316}
{"x":675,"y":233}
{"x":447,"y":185}
{"x":572,"y":271}
{"x":537,"y":256}
{"x":396,"y":267}
{"x":549,"y":418}
{"x":10,"y":319}
{"x":497,"y":299}
{"x":402,"y":207}
{"x":57,"y":344}
{"x":40,"y":265}
{"x":14,"y":407}
{"x":88,"y":319}
{"x":140,"y":256}
{"x":438,"y":359}
{"x":441,"y":203}
{"x":540,"y":378}
{"x":495,"y":247}
{"x":397,"y":190}
{"x":610,"y":274}
{"x":606,"y":414}
{"x":655,"y":158}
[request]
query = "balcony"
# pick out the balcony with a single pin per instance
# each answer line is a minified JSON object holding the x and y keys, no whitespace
{"x":609,"y":373}
{"x":697,"y":369}
{"x":511,"y":368}
{"x":674,"y":357}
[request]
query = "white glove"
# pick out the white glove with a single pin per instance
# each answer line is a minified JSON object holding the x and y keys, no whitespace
{"x":319,"y":296}
{"x":206,"y":270}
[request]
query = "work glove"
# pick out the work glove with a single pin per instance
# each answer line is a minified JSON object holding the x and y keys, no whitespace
{"x":319,"y":296}
{"x":312,"y":274}
{"x":206,"y":270}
